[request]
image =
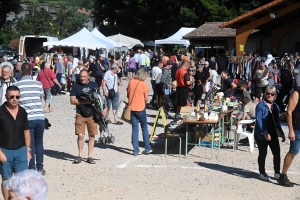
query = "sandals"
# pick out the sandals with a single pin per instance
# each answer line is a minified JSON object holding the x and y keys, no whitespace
{"x":118,"y":123}
{"x":77,"y":160}
{"x":90,"y":161}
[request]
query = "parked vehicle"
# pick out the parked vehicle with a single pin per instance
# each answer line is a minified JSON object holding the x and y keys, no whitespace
{"x":30,"y":45}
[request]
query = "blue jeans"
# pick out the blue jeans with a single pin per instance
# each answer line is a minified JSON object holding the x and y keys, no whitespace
{"x":37,"y":146}
{"x":113,"y":102}
{"x":58,"y":77}
{"x":136,"y":117}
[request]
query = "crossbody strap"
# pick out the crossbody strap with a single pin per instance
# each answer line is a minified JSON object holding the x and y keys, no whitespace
{"x":272,"y":115}
{"x":133,"y":94}
{"x":46,"y":78}
{"x":114,"y":83}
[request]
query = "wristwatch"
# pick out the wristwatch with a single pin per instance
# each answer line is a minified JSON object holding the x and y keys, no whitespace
{"x":29,"y":149}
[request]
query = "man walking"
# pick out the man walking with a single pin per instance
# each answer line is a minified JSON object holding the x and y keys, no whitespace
{"x":58,"y":72}
{"x":142,"y":60}
{"x":14,"y":148}
{"x":6,"y":80}
{"x":82,"y":120}
{"x":31,"y":96}
{"x":293,"y":119}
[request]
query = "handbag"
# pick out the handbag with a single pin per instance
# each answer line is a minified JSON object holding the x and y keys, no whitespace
{"x":112,"y":92}
{"x":277,"y":131}
{"x":126,"y":116}
{"x":85,"y":112}
{"x":53,"y":88}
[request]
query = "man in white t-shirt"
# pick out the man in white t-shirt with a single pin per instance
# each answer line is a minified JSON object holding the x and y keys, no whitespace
{"x":142,"y":60}
{"x":155,"y":82}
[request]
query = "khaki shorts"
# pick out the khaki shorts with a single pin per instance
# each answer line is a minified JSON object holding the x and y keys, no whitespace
{"x":80,"y":125}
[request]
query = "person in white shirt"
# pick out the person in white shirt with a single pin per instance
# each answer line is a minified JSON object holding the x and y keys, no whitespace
{"x":5,"y":62}
{"x":155,"y":82}
{"x":142,"y":60}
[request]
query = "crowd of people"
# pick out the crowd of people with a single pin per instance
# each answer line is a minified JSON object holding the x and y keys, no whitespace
{"x":178,"y":78}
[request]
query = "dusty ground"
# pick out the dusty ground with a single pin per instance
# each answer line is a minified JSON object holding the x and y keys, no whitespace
{"x":120,"y":175}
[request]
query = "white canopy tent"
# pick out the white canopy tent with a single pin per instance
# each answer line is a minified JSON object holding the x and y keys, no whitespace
{"x":81,"y":39}
{"x":126,"y":41}
{"x":98,"y":34}
{"x":177,"y":37}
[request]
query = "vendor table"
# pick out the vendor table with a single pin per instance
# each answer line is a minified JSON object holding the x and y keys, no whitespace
{"x":220,"y":121}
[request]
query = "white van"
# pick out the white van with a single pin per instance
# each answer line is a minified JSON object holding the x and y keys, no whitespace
{"x":30,"y":45}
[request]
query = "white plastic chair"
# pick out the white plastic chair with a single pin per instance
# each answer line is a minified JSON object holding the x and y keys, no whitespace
{"x":249,"y":134}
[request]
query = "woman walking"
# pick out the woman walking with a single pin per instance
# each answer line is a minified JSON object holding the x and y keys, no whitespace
{"x":267,"y":130}
{"x":137,"y":93}
{"x":131,"y":67}
{"x":47,"y":78}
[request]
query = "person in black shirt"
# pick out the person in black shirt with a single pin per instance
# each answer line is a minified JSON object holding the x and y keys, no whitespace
{"x":156,"y":59}
{"x":15,"y":137}
{"x":227,"y":84}
{"x":84,"y":86}
{"x":92,"y":70}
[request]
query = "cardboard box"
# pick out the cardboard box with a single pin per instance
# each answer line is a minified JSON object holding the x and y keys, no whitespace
{"x":208,"y":137}
{"x":186,"y":110}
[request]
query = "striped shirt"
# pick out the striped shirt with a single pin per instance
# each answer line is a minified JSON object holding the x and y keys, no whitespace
{"x":31,"y":92}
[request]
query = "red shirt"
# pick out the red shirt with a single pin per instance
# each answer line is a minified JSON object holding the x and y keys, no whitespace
{"x":46,"y":77}
{"x":180,"y":77}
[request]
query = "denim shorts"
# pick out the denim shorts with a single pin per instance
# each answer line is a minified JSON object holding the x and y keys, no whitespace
{"x":17,"y":161}
{"x":113,"y":102}
{"x":295,"y":145}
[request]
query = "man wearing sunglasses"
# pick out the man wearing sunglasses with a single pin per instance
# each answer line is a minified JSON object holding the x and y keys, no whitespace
{"x":15,"y":137}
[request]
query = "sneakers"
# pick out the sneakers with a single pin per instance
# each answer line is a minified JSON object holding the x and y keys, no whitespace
{"x":136,"y":154}
{"x":276,"y":176}
{"x":147,"y":152}
{"x":284,"y":181}
{"x":264,"y":177}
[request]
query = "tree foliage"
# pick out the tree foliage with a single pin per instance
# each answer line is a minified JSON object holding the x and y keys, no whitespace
{"x":7,"y":6}
{"x":68,"y":22}
{"x":35,"y":22}
{"x":149,"y":19}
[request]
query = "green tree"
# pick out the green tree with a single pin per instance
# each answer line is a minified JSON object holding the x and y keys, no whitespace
{"x":7,"y":6}
{"x":155,"y":19}
{"x":35,"y":22}
{"x":68,"y":22}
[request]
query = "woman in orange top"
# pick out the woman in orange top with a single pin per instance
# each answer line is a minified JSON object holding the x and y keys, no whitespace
{"x":137,"y":93}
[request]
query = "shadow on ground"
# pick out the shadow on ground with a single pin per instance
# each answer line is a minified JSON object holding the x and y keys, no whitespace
{"x":59,"y":155}
{"x":229,"y":170}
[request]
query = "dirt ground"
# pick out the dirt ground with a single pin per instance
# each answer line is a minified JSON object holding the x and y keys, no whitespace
{"x":118,"y":174}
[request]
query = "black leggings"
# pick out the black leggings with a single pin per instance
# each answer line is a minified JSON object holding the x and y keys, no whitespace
{"x":263,"y":150}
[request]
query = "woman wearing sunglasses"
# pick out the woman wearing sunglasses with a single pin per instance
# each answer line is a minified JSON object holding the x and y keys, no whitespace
{"x":267,"y":130}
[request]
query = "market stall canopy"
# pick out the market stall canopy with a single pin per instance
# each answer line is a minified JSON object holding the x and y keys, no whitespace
{"x":98,"y":34}
{"x":82,"y":39}
{"x":151,"y":43}
{"x":126,"y":41}
{"x":177,"y":37}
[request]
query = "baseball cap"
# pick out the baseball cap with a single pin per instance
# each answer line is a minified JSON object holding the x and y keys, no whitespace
{"x":102,"y":55}
{"x":206,"y":62}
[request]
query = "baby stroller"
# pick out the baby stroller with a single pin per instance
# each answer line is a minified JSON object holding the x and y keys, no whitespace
{"x":98,"y":106}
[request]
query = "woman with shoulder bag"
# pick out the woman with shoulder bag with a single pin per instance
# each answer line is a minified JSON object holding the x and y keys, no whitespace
{"x":267,"y":130}
{"x":137,"y":93}
{"x":47,"y":79}
{"x":111,"y":91}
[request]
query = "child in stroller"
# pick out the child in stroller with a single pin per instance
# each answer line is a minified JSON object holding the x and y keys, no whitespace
{"x":98,"y":106}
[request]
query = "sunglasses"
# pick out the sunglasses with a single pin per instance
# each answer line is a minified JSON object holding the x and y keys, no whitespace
{"x":191,"y":70}
{"x":270,"y":94}
{"x":17,"y":97}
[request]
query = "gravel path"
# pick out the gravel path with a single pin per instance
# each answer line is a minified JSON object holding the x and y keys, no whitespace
{"x":118,"y":174}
